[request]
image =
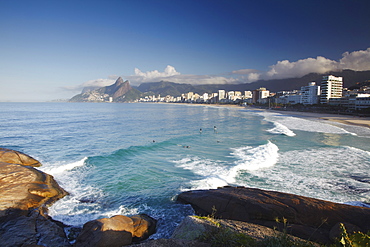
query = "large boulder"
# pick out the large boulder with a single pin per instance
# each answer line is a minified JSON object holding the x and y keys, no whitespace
{"x":192,"y":228}
{"x":25,"y":193}
{"x":24,"y":188}
{"x":114,"y":231}
{"x":16,"y":157}
{"x":305,"y":215}
{"x":31,"y":229}
{"x":144,"y":226}
{"x":117,"y":231}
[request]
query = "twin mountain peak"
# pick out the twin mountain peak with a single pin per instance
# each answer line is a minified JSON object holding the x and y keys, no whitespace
{"x":120,"y":91}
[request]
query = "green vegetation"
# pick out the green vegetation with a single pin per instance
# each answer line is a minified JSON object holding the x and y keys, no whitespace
{"x":223,"y":236}
{"x":357,"y":239}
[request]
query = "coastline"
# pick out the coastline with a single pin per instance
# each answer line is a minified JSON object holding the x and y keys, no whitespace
{"x":342,"y":119}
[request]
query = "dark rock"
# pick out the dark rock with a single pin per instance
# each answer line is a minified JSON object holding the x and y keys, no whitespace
{"x":33,"y":229}
{"x":191,"y":228}
{"x":172,"y":243}
{"x":264,"y":207}
{"x":335,"y":232}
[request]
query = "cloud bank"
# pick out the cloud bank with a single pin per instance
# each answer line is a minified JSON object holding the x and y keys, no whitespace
{"x":92,"y":84}
{"x":356,"y":60}
{"x":170,"y":74}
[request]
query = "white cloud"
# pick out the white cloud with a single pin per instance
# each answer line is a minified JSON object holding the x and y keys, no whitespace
{"x":92,"y":84}
{"x":253,"y":77}
{"x":287,"y":69}
{"x":170,"y":74}
{"x":357,"y":60}
{"x":244,"y":71}
{"x":149,"y":76}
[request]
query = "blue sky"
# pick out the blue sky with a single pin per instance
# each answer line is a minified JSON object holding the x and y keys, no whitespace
{"x":51,"y":49}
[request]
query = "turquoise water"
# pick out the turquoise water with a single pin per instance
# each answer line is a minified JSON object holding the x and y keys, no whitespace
{"x":135,"y":158}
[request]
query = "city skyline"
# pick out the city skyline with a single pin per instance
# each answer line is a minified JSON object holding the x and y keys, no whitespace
{"x":51,"y":49}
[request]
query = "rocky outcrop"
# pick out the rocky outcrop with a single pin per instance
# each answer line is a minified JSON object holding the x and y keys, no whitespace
{"x":117,"y":231}
{"x":29,"y":228}
{"x":23,"y":187}
{"x":308,"y":218}
{"x":16,"y":157}
{"x":118,"y":89}
{"x":25,"y":192}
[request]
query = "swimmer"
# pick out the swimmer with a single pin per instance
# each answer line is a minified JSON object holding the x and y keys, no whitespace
{"x":200,"y":131}
{"x":215,"y":129}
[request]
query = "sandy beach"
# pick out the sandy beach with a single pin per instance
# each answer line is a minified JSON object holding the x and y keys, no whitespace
{"x":343,"y":119}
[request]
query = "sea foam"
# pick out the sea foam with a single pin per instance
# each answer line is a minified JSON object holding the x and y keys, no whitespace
{"x":281,"y":129}
{"x":303,"y":124}
{"x":215,"y":174}
{"x":58,"y":168}
{"x":338,"y":174}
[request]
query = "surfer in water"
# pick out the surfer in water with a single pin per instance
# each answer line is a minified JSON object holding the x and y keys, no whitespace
{"x":215,"y":129}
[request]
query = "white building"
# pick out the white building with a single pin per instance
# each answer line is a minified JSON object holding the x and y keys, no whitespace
{"x":205,"y":97}
{"x":247,"y":94}
{"x":230,"y":95}
{"x":331,"y":87}
{"x":221,"y":95}
{"x":259,"y":94}
{"x":362,"y":102}
{"x":310,"y":94}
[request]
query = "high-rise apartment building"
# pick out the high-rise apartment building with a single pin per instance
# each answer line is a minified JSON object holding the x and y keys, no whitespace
{"x":310,"y":94}
{"x":221,"y":95}
{"x":331,"y":87}
{"x":258,"y":94}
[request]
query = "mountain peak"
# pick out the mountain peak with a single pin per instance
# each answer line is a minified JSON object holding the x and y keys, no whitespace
{"x":119,"y":81}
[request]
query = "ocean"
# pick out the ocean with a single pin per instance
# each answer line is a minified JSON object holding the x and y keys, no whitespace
{"x":136,"y":158}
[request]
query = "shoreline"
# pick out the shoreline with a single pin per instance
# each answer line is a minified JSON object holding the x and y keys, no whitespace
{"x":343,"y":119}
